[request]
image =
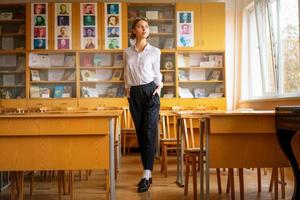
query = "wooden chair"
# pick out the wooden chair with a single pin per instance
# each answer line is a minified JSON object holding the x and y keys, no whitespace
{"x":128,"y":130}
{"x":168,"y":140}
{"x":193,"y":155}
{"x":275,"y":182}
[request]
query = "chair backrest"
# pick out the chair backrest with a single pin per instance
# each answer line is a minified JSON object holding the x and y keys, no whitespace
{"x":127,"y":119}
{"x":168,"y":124}
{"x":190,"y":124}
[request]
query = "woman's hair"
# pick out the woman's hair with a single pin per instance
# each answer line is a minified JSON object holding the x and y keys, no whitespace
{"x":136,"y":20}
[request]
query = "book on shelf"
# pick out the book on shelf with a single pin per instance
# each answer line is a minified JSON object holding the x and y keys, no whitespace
{"x":8,"y":60}
{"x":197,"y":75}
{"x":199,"y":92}
{"x":89,"y":92}
{"x":168,"y":93}
{"x":57,"y":60}
{"x":182,"y":75}
{"x":39,"y":60}
{"x":102,"y":89}
{"x":21,"y":63}
{"x":88,"y":75}
{"x":168,"y":77}
{"x":67,"y":93}
{"x":104,"y":74}
{"x":44,"y":92}
{"x":153,"y":29}
{"x":35,"y":92}
{"x":194,"y":59}
{"x":7,"y":43}
{"x":70,"y":61}
{"x":87,"y":60}
{"x":102,"y":60}
{"x":185,"y":93}
{"x":55,"y":75}
{"x":218,"y":60}
{"x":118,"y":60}
{"x":166,"y":28}
{"x":117,"y":75}
{"x":58,"y":91}
{"x":167,"y":62}
{"x":214,"y":75}
{"x":8,"y":79}
{"x":219,"y":88}
{"x":168,"y":13}
{"x":35,"y":75}
{"x":216,"y":94}
{"x":154,"y":41}
{"x":132,"y":14}
{"x":68,"y":75}
{"x":169,"y":43}
{"x":183,"y":60}
{"x":112,"y":92}
{"x":152,"y":14}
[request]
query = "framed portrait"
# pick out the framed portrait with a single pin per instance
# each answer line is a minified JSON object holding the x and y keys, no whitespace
{"x":39,"y":26}
{"x":185,"y":32}
{"x":89,"y":32}
{"x":112,"y":8}
{"x":88,"y":26}
{"x":6,"y":15}
{"x":88,"y":8}
{"x":39,"y":43}
{"x":113,"y":32}
{"x":113,"y":26}
{"x":214,"y":75}
{"x":63,"y":25}
{"x":117,"y":75}
{"x":63,"y":44}
{"x":39,"y":32}
{"x":39,"y":8}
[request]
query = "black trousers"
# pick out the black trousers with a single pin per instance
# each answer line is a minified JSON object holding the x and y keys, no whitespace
{"x":144,"y":108}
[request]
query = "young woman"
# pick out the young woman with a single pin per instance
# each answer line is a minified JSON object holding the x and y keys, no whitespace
{"x":143,"y":83}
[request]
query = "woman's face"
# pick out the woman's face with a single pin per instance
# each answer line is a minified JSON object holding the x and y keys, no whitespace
{"x":141,"y":29}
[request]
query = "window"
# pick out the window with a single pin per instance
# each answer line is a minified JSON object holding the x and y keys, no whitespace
{"x":270,"y":58}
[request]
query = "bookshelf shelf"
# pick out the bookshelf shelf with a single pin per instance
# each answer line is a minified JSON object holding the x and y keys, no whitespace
{"x":12,"y":86}
{"x":51,"y":82}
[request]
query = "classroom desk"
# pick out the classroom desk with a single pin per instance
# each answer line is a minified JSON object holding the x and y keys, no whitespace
{"x":59,"y":141}
{"x":237,"y":140}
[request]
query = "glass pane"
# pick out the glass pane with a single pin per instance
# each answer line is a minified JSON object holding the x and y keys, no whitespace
{"x":289,"y":51}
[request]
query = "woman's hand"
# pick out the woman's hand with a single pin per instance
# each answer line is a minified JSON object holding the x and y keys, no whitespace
{"x":157,"y":91}
{"x":127,"y":92}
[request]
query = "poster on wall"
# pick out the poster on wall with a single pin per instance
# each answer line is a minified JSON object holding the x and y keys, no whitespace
{"x":185,"y":29}
{"x":63,"y":26}
{"x":88,"y":26}
{"x":113,"y":26}
{"x":39,"y":26}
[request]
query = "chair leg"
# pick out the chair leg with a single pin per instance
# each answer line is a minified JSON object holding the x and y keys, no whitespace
{"x":59,"y":181}
{"x":194,"y":168}
{"x":187,"y":172}
{"x":219,"y":181}
{"x":124,"y":144}
{"x":13,"y":185}
{"x":63,"y":182}
{"x":241,"y":179}
{"x":258,"y":179}
{"x":71,"y":181}
{"x":166,"y":161}
{"x":162,"y":159}
{"x":31,"y":183}
{"x":228,"y":182}
{"x":274,"y":181}
{"x":232,"y":183}
{"x":282,"y":182}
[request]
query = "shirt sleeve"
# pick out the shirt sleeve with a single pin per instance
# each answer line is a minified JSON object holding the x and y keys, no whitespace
{"x":126,"y":80}
{"x":156,"y":68}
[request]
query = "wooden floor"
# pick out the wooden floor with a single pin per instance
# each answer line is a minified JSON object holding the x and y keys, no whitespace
{"x":161,"y":189}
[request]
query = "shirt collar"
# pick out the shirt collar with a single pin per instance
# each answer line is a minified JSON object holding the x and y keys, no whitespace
{"x":147,"y":47}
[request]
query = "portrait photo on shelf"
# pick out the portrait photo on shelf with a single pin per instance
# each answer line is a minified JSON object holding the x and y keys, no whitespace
{"x":63,"y":21}
{"x":113,"y":32}
{"x":89,"y":31}
{"x":63,"y":32}
{"x":113,"y":43}
{"x":63,"y":44}
{"x":113,"y":20}
{"x":89,"y":20}
{"x":112,"y":8}
{"x":39,"y":32}
{"x":39,"y":8}
{"x":89,"y":43}
{"x":39,"y":43}
{"x":39,"y":20}
{"x":185,"y":29}
{"x":117,"y":75}
{"x":88,"y":8}
{"x":63,"y":9}
{"x":185,"y":17}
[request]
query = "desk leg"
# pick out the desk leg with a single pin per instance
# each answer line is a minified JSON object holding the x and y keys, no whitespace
{"x":207,"y":133}
{"x":284,"y":138}
{"x":179,"y":152}
{"x":111,"y":159}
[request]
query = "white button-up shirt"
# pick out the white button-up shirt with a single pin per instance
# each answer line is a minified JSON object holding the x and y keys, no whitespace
{"x":142,"y":67}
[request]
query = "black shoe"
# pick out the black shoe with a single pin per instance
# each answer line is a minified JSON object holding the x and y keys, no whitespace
{"x":144,"y":185}
{"x":150,"y":181}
